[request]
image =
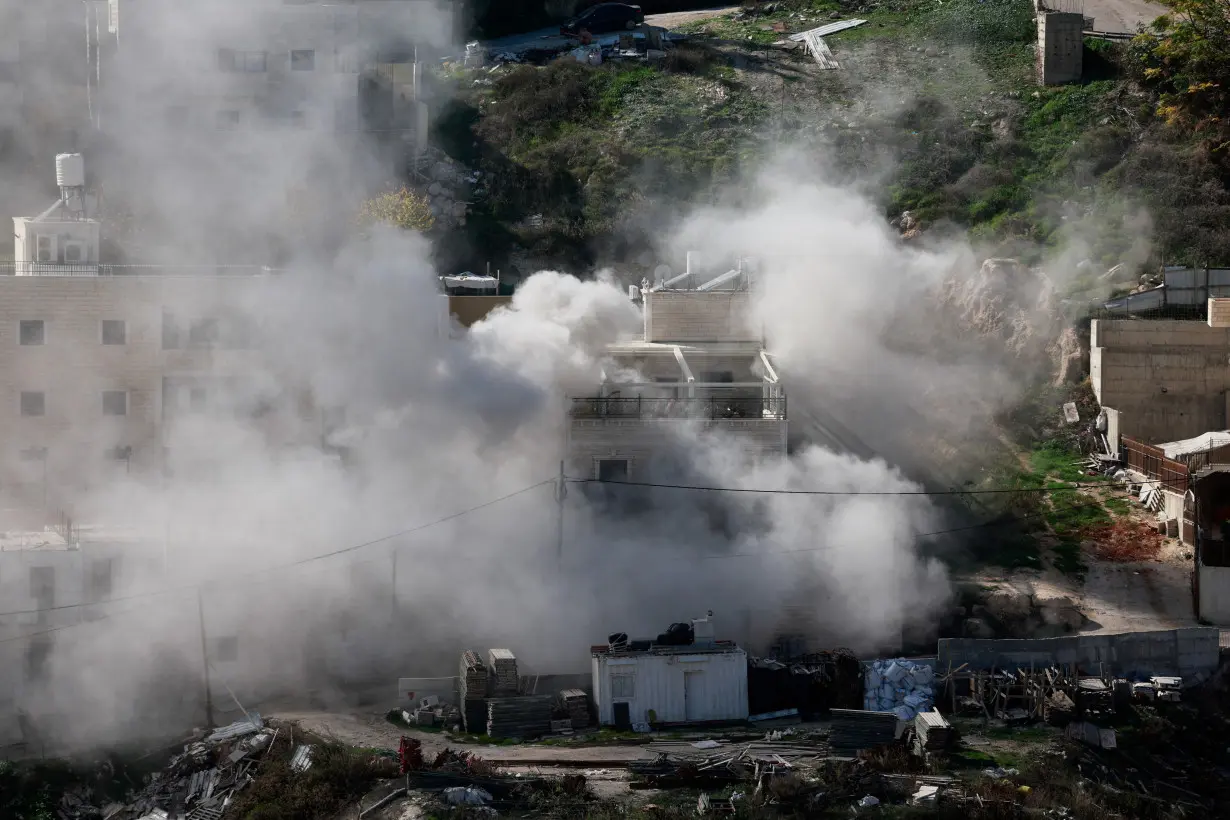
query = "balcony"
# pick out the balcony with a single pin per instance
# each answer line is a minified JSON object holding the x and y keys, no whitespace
{"x":707,"y":402}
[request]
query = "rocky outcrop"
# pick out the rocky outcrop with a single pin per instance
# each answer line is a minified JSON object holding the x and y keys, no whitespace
{"x":449,"y":188}
{"x":1009,"y":612}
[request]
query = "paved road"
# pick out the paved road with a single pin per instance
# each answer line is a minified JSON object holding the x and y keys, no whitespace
{"x":1122,"y":15}
{"x":551,"y":38}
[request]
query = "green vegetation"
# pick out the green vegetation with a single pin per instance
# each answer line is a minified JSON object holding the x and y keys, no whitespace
{"x":339,"y":775}
{"x":32,"y":792}
{"x":401,"y":209}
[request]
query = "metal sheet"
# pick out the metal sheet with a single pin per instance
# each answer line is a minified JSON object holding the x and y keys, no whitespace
{"x":830,"y":28}
{"x":820,"y":51}
{"x":715,"y":685}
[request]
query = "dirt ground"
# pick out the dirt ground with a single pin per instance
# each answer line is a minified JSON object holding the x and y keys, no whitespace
{"x":671,"y":19}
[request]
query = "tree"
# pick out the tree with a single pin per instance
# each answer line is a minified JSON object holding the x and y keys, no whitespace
{"x":402,"y":209}
{"x":1189,"y":65}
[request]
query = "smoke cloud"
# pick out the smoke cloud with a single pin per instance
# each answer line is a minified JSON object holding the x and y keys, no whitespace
{"x":308,"y":545}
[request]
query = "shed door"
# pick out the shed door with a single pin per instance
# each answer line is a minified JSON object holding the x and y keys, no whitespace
{"x":1188,"y":530}
{"x":693,"y":695}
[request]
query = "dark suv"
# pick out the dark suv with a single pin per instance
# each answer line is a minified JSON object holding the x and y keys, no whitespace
{"x":603,"y":18}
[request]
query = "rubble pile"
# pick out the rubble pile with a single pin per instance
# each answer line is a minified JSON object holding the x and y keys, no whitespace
{"x":431,"y":711}
{"x":448,"y":186}
{"x":899,"y":686}
{"x":198,"y":783}
{"x":503,"y":671}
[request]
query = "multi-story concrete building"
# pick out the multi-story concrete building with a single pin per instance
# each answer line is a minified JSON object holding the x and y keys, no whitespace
{"x":345,"y":65}
{"x":700,"y":368}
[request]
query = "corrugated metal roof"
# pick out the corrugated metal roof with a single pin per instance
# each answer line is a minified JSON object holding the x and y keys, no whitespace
{"x":1200,"y":444}
{"x":827,"y":29}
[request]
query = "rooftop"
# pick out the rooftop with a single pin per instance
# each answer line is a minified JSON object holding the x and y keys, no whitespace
{"x":715,"y":648}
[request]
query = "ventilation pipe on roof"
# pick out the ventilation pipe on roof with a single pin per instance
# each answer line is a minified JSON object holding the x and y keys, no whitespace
{"x":687,"y":371}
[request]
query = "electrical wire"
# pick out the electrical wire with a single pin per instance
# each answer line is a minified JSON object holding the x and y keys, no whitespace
{"x":300,"y":562}
{"x":763,"y":491}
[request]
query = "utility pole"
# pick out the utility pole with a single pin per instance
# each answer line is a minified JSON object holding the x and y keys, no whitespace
{"x":393,"y":591}
{"x":209,"y":700}
{"x":561,"y":492}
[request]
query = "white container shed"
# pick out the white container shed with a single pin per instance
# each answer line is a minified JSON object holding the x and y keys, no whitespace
{"x":684,"y":684}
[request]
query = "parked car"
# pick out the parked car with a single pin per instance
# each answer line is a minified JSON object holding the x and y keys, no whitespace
{"x":604,"y":18}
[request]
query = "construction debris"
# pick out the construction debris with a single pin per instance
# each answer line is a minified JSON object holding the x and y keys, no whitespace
{"x":523,"y":717}
{"x":503,"y":673}
{"x":902,"y":687}
{"x":854,"y":731}
{"x":575,"y":704}
{"x":932,"y":733}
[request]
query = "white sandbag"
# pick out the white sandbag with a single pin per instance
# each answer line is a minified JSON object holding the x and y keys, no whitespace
{"x":905,"y":713}
{"x":923,"y":675}
{"x":895,"y":672}
{"x":873,"y":679}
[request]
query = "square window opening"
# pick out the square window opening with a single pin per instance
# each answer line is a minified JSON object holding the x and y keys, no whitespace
{"x":613,"y":469}
{"x":623,"y":686}
{"x":32,"y":332}
{"x":33,"y":403}
{"x":114,"y":332}
{"x":115,"y":403}
{"x":303,"y":60}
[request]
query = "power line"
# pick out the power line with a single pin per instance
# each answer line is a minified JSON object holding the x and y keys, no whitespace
{"x":763,"y":491}
{"x":334,"y":553}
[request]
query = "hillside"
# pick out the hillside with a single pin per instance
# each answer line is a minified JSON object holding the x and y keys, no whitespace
{"x":934,"y":110}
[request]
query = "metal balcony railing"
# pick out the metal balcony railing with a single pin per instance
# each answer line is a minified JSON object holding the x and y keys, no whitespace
{"x":95,"y":269}
{"x":708,"y":408}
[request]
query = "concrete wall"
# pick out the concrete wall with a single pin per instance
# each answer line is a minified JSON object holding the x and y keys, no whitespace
{"x":689,"y":316}
{"x":1192,"y":653}
{"x":73,"y":368}
{"x":1060,"y":47}
{"x":1215,"y":595}
{"x":1167,"y":379}
{"x":640,"y":441}
{"x":1219,"y":313}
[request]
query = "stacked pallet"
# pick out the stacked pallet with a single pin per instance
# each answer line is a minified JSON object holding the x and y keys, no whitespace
{"x":524,"y":717}
{"x":503,"y":673}
{"x":854,"y":731}
{"x":932,"y":733}
{"x":473,"y":681}
{"x":576,"y":706}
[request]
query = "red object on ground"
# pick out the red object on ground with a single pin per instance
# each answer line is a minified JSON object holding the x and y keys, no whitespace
{"x":1125,"y":541}
{"x":410,"y":754}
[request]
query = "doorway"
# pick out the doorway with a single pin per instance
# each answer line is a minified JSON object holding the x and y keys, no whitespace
{"x":691,"y":695}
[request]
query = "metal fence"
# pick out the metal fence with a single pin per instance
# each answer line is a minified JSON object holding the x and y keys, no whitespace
{"x":711,"y":407}
{"x":23,"y":268}
{"x":1152,"y":462}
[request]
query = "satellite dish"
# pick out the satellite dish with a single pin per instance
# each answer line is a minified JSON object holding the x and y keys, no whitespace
{"x":662,"y":272}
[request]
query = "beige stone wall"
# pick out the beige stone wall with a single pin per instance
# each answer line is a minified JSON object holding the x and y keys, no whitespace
{"x":691,"y":317}
{"x":644,"y":440}
{"x":1219,"y":313}
{"x":1168,"y":379}
{"x":73,"y":368}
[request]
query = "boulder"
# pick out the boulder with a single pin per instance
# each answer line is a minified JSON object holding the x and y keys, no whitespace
{"x":1007,"y":605}
{"x":977,"y":628}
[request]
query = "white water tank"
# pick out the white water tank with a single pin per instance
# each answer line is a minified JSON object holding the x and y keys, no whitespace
{"x":70,"y":170}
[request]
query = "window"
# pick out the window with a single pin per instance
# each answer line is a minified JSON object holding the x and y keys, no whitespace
{"x":115,"y":403}
{"x":227,"y":120}
{"x":247,"y":62}
{"x":303,"y":60}
{"x":226,"y":650}
{"x":203,"y":334}
{"x":613,"y":469}
{"x":74,"y":252}
{"x":32,"y":332}
{"x":718,"y":377}
{"x":114,"y":332}
{"x":37,"y":655}
{"x":170,"y":332}
{"x":623,"y":685}
{"x":33,"y":404}
{"x":120,"y":453}
{"x":100,"y":579}
{"x":43,"y":587}
{"x":34,"y":455}
{"x":45,"y":249}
